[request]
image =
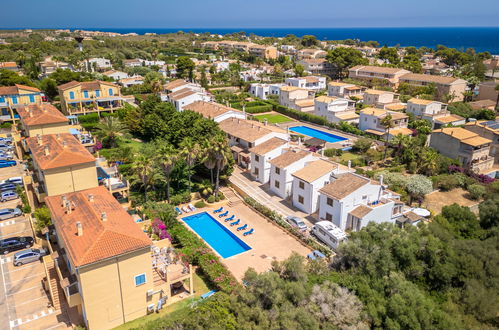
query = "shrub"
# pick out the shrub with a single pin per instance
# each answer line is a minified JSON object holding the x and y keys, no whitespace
{"x":446,"y":182}
{"x":259,"y":109}
{"x":362,"y":144}
{"x":476,"y":191}
{"x":200,"y":204}
{"x":6,"y":125}
{"x":220,"y":195}
{"x":211,"y":199}
{"x":333,"y":152}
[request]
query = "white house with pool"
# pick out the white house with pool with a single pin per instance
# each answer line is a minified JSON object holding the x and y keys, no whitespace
{"x":262,"y":154}
{"x":336,"y":109}
{"x":282,"y":168}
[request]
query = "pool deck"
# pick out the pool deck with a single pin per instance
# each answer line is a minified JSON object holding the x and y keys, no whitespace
{"x":336,"y":145}
{"x":268,"y":242}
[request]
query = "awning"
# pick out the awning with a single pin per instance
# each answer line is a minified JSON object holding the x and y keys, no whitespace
{"x":375,"y":132}
{"x":236,"y":149}
{"x":110,"y":98}
{"x":315,"y":142}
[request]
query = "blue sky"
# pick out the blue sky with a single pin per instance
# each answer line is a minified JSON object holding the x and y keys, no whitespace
{"x":247,"y":13}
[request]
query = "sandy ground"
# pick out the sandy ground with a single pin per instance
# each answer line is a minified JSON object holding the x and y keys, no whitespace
{"x":435,"y":201}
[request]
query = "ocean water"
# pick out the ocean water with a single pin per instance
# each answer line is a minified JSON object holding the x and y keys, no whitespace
{"x":479,"y":38}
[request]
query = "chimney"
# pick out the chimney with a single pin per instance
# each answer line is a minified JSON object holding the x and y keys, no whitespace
{"x":39,"y":139}
{"x":381,"y":180}
{"x":58,"y":136}
{"x":79,"y":229}
{"x":103,"y":216}
{"x":349,"y":164}
{"x":63,"y":201}
{"x":90,"y":197}
{"x":44,"y":109}
{"x":30,"y":112}
{"x":64,"y":144}
{"x":265,"y":122}
{"x":46,"y":150}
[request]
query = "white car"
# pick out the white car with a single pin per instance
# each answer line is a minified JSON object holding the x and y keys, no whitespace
{"x":296,"y":222}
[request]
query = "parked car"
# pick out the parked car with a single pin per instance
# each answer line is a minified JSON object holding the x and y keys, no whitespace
{"x":7,"y":186}
{"x":18,"y":180}
{"x":27,"y":256}
{"x":5,"y":145}
{"x":6,"y":156}
{"x":296,"y":222}
{"x":8,"y":195}
{"x":10,"y":213}
{"x":12,"y":244}
{"x":7,"y":163}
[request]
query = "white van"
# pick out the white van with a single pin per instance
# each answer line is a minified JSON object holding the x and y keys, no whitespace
{"x":329,"y":233}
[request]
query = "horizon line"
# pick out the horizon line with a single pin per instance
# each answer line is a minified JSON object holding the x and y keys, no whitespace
{"x":264,"y":27}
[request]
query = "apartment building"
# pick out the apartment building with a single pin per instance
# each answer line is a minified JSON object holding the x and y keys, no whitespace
{"x":379,"y":98}
{"x":216,"y":111}
{"x":262,"y":154}
{"x":297,"y":98}
{"x":263,"y":51}
{"x":11,"y":66}
{"x":282,"y":168}
{"x":336,"y":109}
{"x":40,"y":119}
{"x":79,"y":98}
{"x":345,"y":90}
{"x":264,"y":90}
{"x":371,"y":118}
{"x":244,"y":135}
{"x":310,"y":179}
{"x":310,"y":53}
{"x":446,"y":86}
{"x":61,"y":165}
{"x":433,"y":111}
{"x":103,"y":261}
{"x":488,"y":129}
{"x":371,"y":73}
{"x":317,"y":66}
{"x":313,"y":83}
{"x":12,"y":97}
{"x":351,"y":201}
{"x":469,"y":148}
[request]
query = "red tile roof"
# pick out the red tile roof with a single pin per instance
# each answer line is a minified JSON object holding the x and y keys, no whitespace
{"x":86,"y":85}
{"x":100,"y":240}
{"x":40,"y":114}
{"x":13,"y":90}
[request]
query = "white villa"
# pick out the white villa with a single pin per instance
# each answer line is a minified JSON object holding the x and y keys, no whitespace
{"x":182,"y":93}
{"x":336,"y":109}
{"x":341,"y":89}
{"x":313,"y":83}
{"x":262,"y":154}
{"x":379,"y":98}
{"x":433,"y":111}
{"x":264,"y":90}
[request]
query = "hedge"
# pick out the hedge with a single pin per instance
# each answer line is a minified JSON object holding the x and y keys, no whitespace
{"x":259,"y":109}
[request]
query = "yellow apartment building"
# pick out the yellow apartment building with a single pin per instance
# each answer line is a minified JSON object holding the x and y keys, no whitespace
{"x":103,"y":262}
{"x":13,"y":97}
{"x":61,"y":164}
{"x":42,"y":119}
{"x":78,"y":98}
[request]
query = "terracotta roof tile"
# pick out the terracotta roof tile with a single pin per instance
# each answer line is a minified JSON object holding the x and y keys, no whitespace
{"x":315,"y":170}
{"x":289,"y":157}
{"x":40,"y":114}
{"x":377,"y":69}
{"x":361,"y":211}
{"x":268,"y":146}
{"x":431,"y":78}
{"x":209,"y":109}
{"x":17,"y":89}
{"x":175,"y":83}
{"x":244,"y":129}
{"x":344,"y":185}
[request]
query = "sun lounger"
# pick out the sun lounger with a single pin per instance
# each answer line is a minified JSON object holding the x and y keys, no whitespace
{"x":223,"y":214}
{"x":178,"y":211}
{"x":235,"y":223}
{"x":249,"y":232}
{"x":192,"y":207}
{"x":219,"y":210}
{"x":185,"y":209}
{"x":230,"y":218}
{"x":208,"y":294}
{"x":243,"y":227}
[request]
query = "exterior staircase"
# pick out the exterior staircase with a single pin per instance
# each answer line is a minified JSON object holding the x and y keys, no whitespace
{"x":55,"y":289}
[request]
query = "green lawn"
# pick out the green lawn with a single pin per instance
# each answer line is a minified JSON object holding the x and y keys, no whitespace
{"x":200,"y":288}
{"x":273,"y":118}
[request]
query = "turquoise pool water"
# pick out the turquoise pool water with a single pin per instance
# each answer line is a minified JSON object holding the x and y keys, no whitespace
{"x":216,"y":235}
{"x":312,"y":132}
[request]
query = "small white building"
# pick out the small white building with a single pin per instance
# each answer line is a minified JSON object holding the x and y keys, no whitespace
{"x":313,"y":83}
{"x":379,"y":98}
{"x":116,"y":75}
{"x":186,"y":96}
{"x":341,"y":89}
{"x":99,"y":63}
{"x":297,"y":98}
{"x":329,"y":234}
{"x":216,"y":111}
{"x":131,"y":81}
{"x":420,"y":108}
{"x":336,"y":109}
{"x":151,"y":63}
{"x":264,"y":90}
{"x":370,"y":121}
{"x":282,"y":168}
{"x":262,"y":154}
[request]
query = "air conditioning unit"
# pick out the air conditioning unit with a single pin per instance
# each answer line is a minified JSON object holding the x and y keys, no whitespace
{"x":150,"y":308}
{"x":150,"y":293}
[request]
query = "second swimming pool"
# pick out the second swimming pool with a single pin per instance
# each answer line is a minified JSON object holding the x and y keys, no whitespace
{"x":312,"y":132}
{"x":216,"y":235}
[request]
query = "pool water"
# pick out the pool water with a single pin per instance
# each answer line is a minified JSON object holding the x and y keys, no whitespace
{"x":312,"y":132}
{"x":216,"y":235}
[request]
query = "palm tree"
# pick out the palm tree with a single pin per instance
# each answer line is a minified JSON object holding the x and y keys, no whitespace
{"x":401,"y":142}
{"x":143,"y":169}
{"x":223,"y":154}
{"x":387,"y":123}
{"x":190,"y":150}
{"x":429,"y":161}
{"x":109,"y":129}
{"x":209,"y":158}
{"x":166,"y":157}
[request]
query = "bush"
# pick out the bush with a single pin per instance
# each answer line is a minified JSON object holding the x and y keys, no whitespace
{"x":180,"y":198}
{"x":476,"y":191}
{"x":446,"y":182}
{"x":220,"y":195}
{"x":200,"y":204}
{"x":6,"y":125}
{"x":259,"y":109}
{"x":333,"y":152}
{"x":211,"y":199}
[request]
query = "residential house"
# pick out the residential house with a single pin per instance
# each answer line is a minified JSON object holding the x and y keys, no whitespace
{"x":185,"y":96}
{"x":483,"y":104}
{"x":264,"y":90}
{"x":433,"y":111}
{"x":135,"y":62}
{"x":488,"y":129}
{"x":336,"y":109}
{"x":371,"y":73}
{"x":312,"y":83}
{"x":345,"y":90}
{"x":351,"y":202}
{"x":115,"y":74}
{"x":310,"y":179}
{"x":469,"y":148}
{"x":210,"y":45}
{"x":103,"y":261}
{"x":244,"y":135}
{"x":379,"y":98}
{"x":40,"y":119}
{"x":216,"y":111}
{"x":317,"y":66}
{"x":99,"y":63}
{"x":310,"y":53}
{"x":131,"y":81}
{"x":12,"y":97}
{"x":297,"y":98}
{"x":283,"y":166}
{"x":61,"y":165}
{"x":49,"y":66}
{"x":370,"y":121}
{"x":11,"y":66}
{"x":445,"y":86}
{"x":262,"y":154}
{"x":487,"y":91}
{"x":89,"y":96}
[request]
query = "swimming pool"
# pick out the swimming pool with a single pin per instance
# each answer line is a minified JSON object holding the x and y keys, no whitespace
{"x":328,"y":137}
{"x":216,"y":235}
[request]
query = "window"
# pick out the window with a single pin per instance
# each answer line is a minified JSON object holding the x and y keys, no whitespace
{"x":2,"y":99}
{"x":14,"y":99}
{"x":277,"y":170}
{"x":276,"y":184}
{"x":257,"y":158}
{"x":32,"y":99}
{"x":140,"y":279}
{"x":301,"y":199}
{"x":72,"y":95}
{"x":329,"y":217}
{"x":85,"y":94}
{"x":110,"y":92}
{"x":301,"y":185}
{"x":257,"y":171}
{"x":329,"y":201}
{"x":97,"y":93}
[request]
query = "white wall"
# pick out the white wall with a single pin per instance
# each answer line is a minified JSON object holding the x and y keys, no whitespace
{"x":284,"y":177}
{"x":263,"y":164}
{"x":310,"y":193}
{"x":368,"y":122}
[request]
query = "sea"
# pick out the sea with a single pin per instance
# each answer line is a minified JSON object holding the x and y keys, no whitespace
{"x":480,"y":38}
